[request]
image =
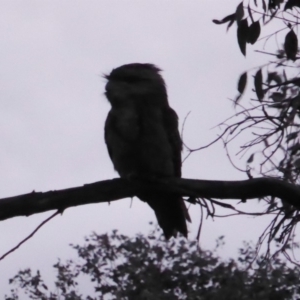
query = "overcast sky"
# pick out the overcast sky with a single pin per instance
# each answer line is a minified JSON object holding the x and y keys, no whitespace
{"x":52,"y":57}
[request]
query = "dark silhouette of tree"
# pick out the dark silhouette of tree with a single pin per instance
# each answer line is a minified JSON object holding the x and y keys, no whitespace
{"x":146,"y":267}
{"x":269,"y":119}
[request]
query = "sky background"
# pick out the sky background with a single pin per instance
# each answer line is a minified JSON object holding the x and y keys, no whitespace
{"x":52,"y":111}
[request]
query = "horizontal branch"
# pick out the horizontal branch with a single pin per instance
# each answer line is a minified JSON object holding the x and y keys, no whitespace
{"x":115,"y":189}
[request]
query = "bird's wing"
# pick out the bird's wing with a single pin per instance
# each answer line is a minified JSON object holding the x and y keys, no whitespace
{"x":171,"y":125}
{"x":109,"y":124}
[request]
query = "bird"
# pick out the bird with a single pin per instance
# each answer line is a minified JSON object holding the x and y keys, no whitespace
{"x":142,"y":138}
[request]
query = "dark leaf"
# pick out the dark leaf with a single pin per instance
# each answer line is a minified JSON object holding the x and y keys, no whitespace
{"x":297,"y":163}
{"x":242,"y":34}
{"x":277,"y":97}
{"x":264,"y":5}
{"x":296,"y":81}
{"x":274,"y":76}
{"x":273,"y":4}
{"x":258,"y":85}
{"x":291,"y":3}
{"x":255,"y":2}
{"x":239,"y":13}
{"x":253,"y":32}
{"x":250,"y":159}
{"x":292,"y":136}
{"x":225,"y":20}
{"x":242,"y":82}
{"x":291,"y":45}
{"x":294,"y":149}
{"x":295,"y":101}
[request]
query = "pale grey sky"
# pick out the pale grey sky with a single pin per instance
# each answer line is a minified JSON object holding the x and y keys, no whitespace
{"x":52,"y":108}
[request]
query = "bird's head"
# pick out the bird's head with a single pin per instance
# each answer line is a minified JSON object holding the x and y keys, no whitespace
{"x":137,"y":83}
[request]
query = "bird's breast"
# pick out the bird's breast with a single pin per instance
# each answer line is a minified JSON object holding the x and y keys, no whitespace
{"x":141,"y":144}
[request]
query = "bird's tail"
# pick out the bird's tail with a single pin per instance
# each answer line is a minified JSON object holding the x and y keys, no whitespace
{"x":171,"y":214}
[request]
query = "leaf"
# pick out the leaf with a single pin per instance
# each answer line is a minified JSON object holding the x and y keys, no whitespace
{"x":297,"y":163}
{"x":277,"y":97}
{"x":296,"y":81}
{"x":242,"y":34}
{"x":258,"y":85}
{"x":275,"y":4}
{"x":292,"y":136}
{"x":291,"y":45}
{"x":274,"y":76}
{"x":253,"y":32}
{"x":242,"y":82}
{"x":264,"y":5}
{"x":239,"y":13}
{"x":291,"y":3}
{"x":250,"y":159}
{"x":295,"y":101}
{"x":228,"y":18}
{"x":294,"y":149}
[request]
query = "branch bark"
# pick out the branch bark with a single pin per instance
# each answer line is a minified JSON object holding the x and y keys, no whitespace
{"x":115,"y":189}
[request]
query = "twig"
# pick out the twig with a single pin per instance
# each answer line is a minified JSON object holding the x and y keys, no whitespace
{"x":30,"y":235}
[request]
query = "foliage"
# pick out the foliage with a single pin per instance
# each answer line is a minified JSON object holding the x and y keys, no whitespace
{"x":143,"y":267}
{"x":269,"y":121}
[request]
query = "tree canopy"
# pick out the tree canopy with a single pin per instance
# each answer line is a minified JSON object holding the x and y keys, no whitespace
{"x":268,"y":120}
{"x":146,"y":267}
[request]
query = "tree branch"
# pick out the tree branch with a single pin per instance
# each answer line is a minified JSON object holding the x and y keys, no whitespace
{"x":115,"y":189}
